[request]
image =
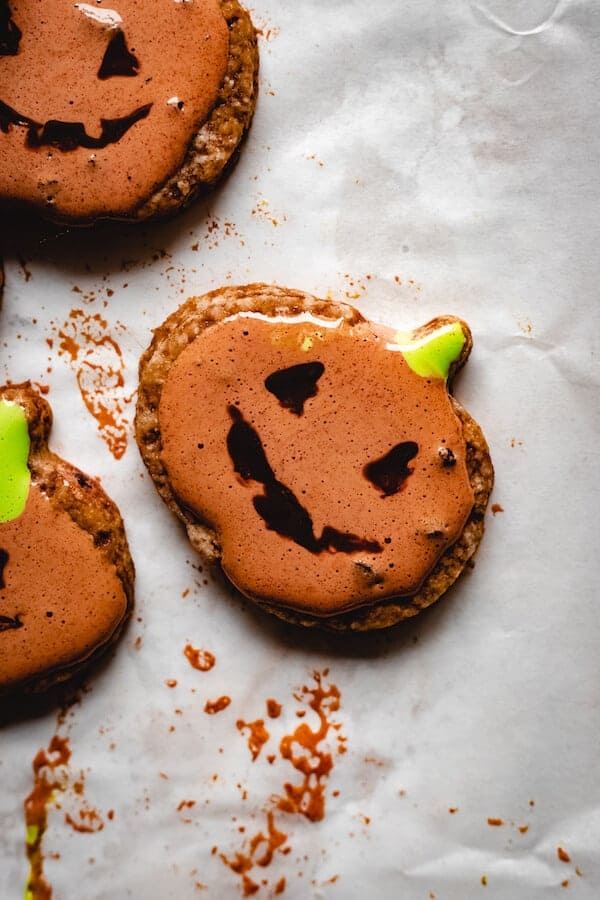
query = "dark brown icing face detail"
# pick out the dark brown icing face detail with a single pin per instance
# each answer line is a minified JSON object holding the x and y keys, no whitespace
{"x":3,"y":561}
{"x":390,"y":472}
{"x":68,"y":136}
{"x":278,"y":507}
{"x":118,"y":60}
{"x":10,"y":34}
{"x":7,"y":623}
{"x":295,"y":385}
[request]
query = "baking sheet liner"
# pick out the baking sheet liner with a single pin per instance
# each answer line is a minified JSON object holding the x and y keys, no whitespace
{"x":415,"y":159}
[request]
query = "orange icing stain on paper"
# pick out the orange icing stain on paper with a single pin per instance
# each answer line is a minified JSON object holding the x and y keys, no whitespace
{"x":261,"y":849}
{"x":356,"y":286}
{"x":46,"y":781}
{"x":563,"y":855}
{"x":309,"y":751}
{"x":89,"y":821}
{"x":216,"y":706}
{"x":202,"y":660}
{"x":51,"y":775}
{"x":95,"y":356}
{"x":313,"y":761}
{"x":258,"y":736}
{"x":273,"y":709}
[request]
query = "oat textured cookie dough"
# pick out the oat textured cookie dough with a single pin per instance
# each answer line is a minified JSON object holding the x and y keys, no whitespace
{"x":318,"y":457}
{"x":66,"y":575}
{"x":121,"y":110}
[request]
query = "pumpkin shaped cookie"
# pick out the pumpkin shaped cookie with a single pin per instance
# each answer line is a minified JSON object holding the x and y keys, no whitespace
{"x":66,"y":576}
{"x":318,"y":457}
{"x":124,"y":112}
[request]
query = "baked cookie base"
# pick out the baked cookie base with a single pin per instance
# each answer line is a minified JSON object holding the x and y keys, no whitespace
{"x":82,"y":497}
{"x":199,"y":313}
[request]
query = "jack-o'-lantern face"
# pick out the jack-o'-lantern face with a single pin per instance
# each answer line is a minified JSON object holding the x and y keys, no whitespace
{"x":328,"y":459}
{"x":99,"y":100}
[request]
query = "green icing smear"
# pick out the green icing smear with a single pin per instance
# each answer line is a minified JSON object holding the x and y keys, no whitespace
{"x":14,"y":452}
{"x":432,"y":355}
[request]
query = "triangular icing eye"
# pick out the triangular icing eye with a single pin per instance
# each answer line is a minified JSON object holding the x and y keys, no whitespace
{"x":295,"y":385}
{"x":432,"y":355}
{"x":118,"y":60}
{"x":14,"y":452}
{"x":10,"y":33}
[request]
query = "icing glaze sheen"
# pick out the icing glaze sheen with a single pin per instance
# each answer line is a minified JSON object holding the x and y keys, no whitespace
{"x":88,"y":125}
{"x":333,"y":473}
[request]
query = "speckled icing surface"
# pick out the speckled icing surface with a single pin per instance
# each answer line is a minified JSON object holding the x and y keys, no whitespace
{"x":333,"y":474}
{"x":60,"y":597}
{"x":99,"y":101}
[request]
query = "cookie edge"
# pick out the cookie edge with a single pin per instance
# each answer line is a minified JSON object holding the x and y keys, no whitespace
{"x":202,"y":312}
{"x":82,"y":497}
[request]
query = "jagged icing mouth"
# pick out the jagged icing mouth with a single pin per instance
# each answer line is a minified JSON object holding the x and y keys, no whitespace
{"x":68,"y":136}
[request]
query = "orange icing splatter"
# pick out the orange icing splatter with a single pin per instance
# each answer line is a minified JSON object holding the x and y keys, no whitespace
{"x":563,"y":855}
{"x":202,"y":660}
{"x":307,"y":752}
{"x":96,"y":358}
{"x":89,"y":823}
{"x":46,"y":781}
{"x":495,"y":822}
{"x":308,"y":797}
{"x":258,"y":736}
{"x":186,"y":804}
{"x":49,"y":776}
{"x":260,"y":852}
{"x":215,"y":706}
{"x":273,"y":709}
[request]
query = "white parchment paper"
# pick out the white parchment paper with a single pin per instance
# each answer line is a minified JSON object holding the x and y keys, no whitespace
{"x":415,"y":157}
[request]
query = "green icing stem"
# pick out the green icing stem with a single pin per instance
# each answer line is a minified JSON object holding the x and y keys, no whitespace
{"x":14,"y":452}
{"x":432,"y":355}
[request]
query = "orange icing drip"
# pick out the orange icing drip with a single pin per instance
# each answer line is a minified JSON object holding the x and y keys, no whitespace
{"x":50,"y":774}
{"x":97,"y":360}
{"x":90,"y":821}
{"x":203,"y":660}
{"x":216,"y":706}
{"x":273,"y":709}
{"x":258,"y":736}
{"x":261,"y":850}
{"x":308,"y":797}
{"x":46,"y":781}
